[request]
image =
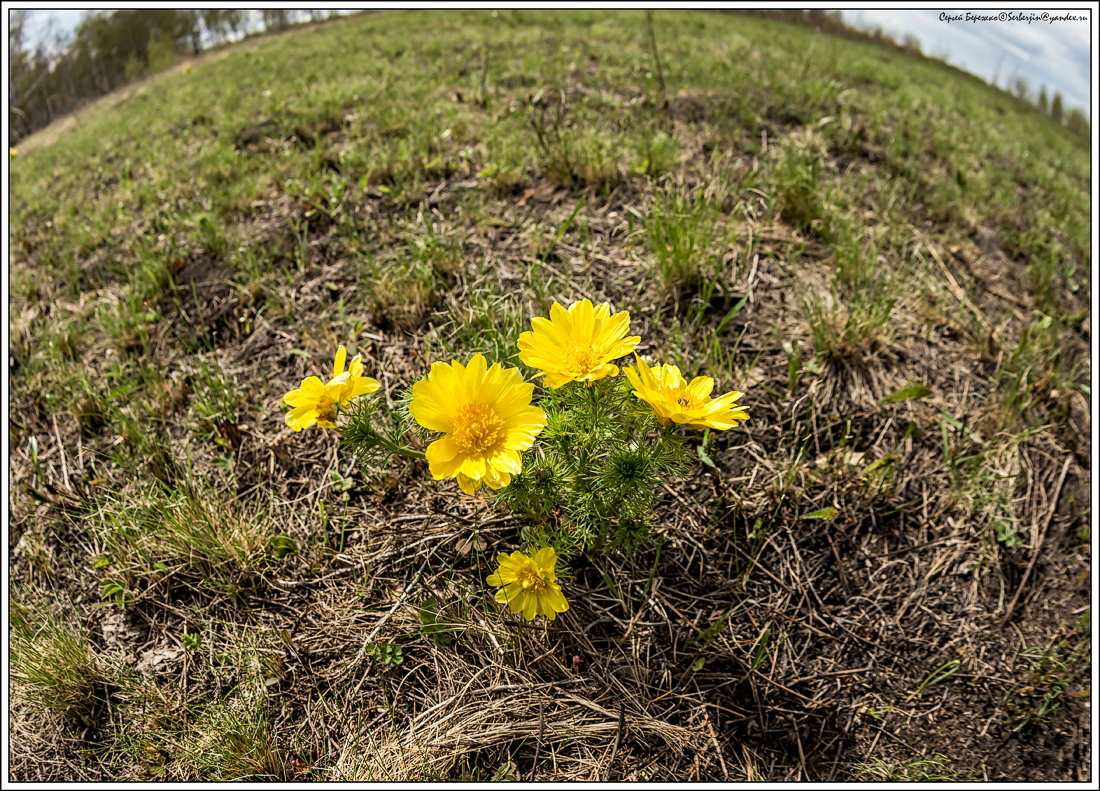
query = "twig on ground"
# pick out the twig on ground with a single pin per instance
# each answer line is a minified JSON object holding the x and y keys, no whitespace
{"x":1042,"y":536}
{"x":61,"y":451}
{"x":717,"y":749}
{"x":618,"y":741}
{"x":957,"y":291}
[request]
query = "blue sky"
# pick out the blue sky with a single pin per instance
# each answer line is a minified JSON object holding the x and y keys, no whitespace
{"x":1053,"y":54}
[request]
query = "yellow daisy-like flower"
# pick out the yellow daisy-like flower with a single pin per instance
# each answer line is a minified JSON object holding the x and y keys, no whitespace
{"x":676,"y":401}
{"x":315,"y":402}
{"x":357,"y":384}
{"x":528,"y":584}
{"x":577,"y":345}
{"x":487,"y":418}
{"x":187,"y":69}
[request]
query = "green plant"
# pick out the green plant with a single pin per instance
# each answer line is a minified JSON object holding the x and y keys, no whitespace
{"x":922,"y":769}
{"x":434,"y":626}
{"x":234,"y":739}
{"x":798,"y":180}
{"x":575,"y":154}
{"x":1041,"y":363}
{"x":794,"y":364}
{"x":655,"y":153}
{"x":685,"y":235}
{"x":284,"y":546}
{"x":114,"y":590}
{"x":191,"y":642}
{"x":400,"y":296}
{"x":52,"y":665}
{"x":1046,"y":674}
{"x":935,"y":677}
{"x":204,"y":537}
{"x":216,"y":400}
{"x":592,"y":481}
{"x":850,"y":320}
{"x":386,"y":653}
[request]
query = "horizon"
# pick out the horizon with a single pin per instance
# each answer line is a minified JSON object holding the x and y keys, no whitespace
{"x":1055,"y":56}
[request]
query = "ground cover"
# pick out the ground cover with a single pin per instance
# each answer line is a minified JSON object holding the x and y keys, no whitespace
{"x":883,"y":574}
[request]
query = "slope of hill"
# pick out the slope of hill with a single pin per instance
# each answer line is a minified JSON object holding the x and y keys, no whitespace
{"x":883,"y":574}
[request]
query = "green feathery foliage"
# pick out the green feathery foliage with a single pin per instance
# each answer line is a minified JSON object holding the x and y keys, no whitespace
{"x":590,"y":483}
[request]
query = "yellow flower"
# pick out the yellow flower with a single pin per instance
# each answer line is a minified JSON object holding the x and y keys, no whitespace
{"x":487,"y":418}
{"x":577,"y":345}
{"x":315,"y":402}
{"x":12,"y":151}
{"x":676,"y":401}
{"x":187,"y":69}
{"x":357,"y":384}
{"x":528,"y":584}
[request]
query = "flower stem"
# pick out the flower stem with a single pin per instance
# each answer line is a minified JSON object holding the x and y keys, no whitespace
{"x":400,"y":450}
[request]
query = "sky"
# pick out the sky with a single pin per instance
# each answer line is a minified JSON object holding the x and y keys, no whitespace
{"x":1054,"y":54}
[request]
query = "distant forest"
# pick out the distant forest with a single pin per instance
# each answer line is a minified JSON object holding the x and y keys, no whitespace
{"x":110,"y":49}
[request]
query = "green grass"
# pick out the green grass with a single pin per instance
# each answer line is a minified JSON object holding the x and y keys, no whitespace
{"x":418,"y":186}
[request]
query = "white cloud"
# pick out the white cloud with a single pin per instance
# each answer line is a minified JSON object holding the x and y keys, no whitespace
{"x":1054,"y":54}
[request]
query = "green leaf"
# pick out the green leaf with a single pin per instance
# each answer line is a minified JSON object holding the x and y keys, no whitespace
{"x":906,"y":394}
{"x":705,"y":458}
{"x":733,"y":312}
{"x":284,"y":545}
{"x":431,"y":625}
{"x":697,"y":665}
{"x":160,"y":566}
{"x":823,"y":513}
{"x":762,"y":648}
{"x":889,"y":458}
{"x":706,"y":636}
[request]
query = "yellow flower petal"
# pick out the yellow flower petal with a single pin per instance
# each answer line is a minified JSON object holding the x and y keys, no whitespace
{"x":528,"y":583}
{"x":487,"y":417}
{"x":468,"y":485}
{"x":674,"y":400}
{"x":578,"y":344}
{"x":338,"y":363}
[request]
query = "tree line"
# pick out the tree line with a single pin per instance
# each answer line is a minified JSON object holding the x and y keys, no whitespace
{"x":110,"y":49}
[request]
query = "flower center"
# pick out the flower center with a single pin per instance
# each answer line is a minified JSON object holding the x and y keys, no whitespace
{"x":685,"y":400}
{"x":578,"y":358}
{"x":476,"y":428}
{"x":326,"y":408}
{"x":530,"y":580}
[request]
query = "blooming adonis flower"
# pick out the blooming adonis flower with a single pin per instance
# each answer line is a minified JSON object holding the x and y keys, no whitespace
{"x":676,"y":401}
{"x":357,"y":384}
{"x":316,"y":402}
{"x":487,"y":418}
{"x":528,"y":584}
{"x":577,"y":345}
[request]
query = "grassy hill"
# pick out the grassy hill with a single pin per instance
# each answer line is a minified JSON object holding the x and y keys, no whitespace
{"x":883,"y":574}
